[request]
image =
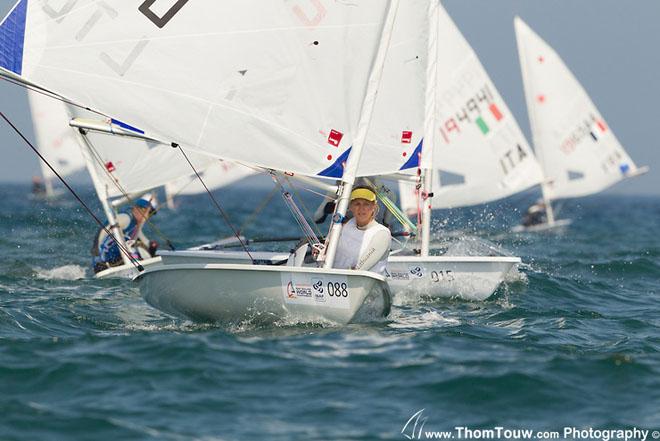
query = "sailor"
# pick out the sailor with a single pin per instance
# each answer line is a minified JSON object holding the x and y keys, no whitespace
{"x":535,"y":214}
{"x":38,"y":187}
{"x":364,"y":244}
{"x":106,"y":253}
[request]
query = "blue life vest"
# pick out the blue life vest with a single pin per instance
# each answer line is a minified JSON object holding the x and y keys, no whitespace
{"x":108,"y":251}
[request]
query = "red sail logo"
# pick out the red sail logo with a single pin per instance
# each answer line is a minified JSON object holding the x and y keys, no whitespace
{"x":335,"y":137}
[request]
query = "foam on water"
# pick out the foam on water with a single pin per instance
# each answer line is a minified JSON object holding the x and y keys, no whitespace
{"x":66,"y":272}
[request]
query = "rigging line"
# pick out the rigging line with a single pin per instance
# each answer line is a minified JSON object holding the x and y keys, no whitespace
{"x":52,"y":95}
{"x":323,"y":195}
{"x":132,"y":259}
{"x":302,"y":203}
{"x":222,"y":212}
{"x":122,"y":190}
{"x":298,"y":216}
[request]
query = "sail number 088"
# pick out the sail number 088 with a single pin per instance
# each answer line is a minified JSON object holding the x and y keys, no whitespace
{"x":337,"y":289}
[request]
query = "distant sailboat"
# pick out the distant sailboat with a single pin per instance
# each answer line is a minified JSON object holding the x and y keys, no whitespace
{"x":577,"y":150}
{"x":55,"y":142}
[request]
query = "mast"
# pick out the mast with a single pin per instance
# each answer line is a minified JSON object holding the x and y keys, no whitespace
{"x":529,"y":100}
{"x":348,"y":178}
{"x":426,"y":161}
{"x":169,"y":196}
{"x":101,"y":192}
{"x":48,"y":186}
{"x":549,"y":212}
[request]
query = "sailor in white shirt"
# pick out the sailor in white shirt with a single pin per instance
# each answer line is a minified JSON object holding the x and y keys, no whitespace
{"x":364,"y":244}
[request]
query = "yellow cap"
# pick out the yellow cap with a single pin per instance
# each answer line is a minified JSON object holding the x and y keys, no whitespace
{"x":363,"y":193}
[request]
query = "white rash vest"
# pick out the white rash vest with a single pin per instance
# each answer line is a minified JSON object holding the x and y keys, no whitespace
{"x":364,"y":248}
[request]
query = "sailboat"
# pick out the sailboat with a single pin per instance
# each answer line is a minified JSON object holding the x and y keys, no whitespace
{"x":268,"y":84}
{"x":472,"y":137}
{"x":420,"y":38}
{"x":55,"y":142}
{"x":122,"y":169}
{"x":577,"y":149}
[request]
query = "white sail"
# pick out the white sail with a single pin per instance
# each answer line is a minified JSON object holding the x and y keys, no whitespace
{"x":578,"y":152}
{"x":397,"y":125}
{"x":480,"y":152}
{"x":54,"y":138}
{"x":127,"y":166}
{"x":237,"y":79}
{"x":216,"y":175}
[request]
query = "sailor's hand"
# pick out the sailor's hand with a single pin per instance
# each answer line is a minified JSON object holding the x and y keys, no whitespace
{"x":153,"y":247}
{"x":317,"y":250}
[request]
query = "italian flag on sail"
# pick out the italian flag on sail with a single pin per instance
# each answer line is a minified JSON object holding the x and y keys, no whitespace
{"x":481,"y":123}
{"x":598,"y":129}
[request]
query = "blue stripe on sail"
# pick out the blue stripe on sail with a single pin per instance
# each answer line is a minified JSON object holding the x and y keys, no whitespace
{"x":336,"y":170}
{"x":12,"y":37}
{"x":413,"y":161}
{"x":123,"y":125}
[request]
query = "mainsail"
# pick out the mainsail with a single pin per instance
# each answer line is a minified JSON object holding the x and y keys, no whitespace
{"x":480,"y":152}
{"x":237,"y":79}
{"x":577,"y":149}
{"x":216,"y":175}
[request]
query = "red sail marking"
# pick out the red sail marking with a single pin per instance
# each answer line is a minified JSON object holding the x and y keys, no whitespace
{"x":334,"y":138}
{"x":496,"y":112}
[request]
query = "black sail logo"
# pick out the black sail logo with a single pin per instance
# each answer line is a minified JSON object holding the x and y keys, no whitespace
{"x":145,"y":8}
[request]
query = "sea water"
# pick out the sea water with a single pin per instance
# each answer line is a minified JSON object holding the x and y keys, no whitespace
{"x":571,"y":341}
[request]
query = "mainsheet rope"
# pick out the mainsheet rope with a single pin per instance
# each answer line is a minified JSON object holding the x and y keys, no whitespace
{"x":217,"y":205}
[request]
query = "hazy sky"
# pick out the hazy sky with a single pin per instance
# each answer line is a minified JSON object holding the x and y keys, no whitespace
{"x":610,"y":45}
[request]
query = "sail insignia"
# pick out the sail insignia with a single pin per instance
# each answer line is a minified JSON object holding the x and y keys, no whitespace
{"x":336,"y":170}
{"x":12,"y":37}
{"x":123,"y":125}
{"x":413,"y":161}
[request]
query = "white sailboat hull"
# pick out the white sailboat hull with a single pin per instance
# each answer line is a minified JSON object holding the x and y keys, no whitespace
{"x":545,"y":226}
{"x":413,"y":279}
{"x":231,"y":293}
